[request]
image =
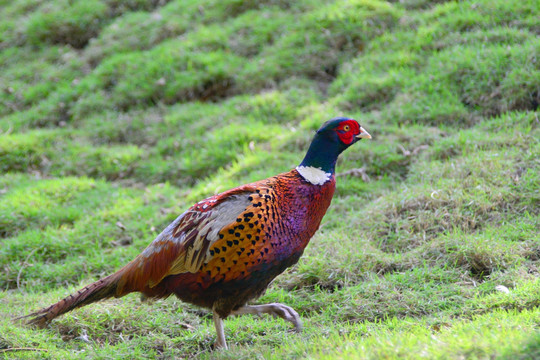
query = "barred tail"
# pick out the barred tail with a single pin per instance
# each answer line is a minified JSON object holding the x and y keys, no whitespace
{"x":101,"y":289}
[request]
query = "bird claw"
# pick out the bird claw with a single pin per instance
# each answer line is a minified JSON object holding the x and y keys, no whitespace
{"x":285,"y":312}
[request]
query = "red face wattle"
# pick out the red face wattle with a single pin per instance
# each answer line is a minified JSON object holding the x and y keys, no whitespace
{"x":347,"y":130}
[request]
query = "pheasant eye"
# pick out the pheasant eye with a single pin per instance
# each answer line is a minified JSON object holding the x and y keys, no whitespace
{"x":346,"y":128}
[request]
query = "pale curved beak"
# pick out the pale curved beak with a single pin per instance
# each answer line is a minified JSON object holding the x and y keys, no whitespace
{"x":363,"y":134}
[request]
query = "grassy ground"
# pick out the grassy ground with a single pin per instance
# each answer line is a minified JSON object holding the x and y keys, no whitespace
{"x":117,"y":115}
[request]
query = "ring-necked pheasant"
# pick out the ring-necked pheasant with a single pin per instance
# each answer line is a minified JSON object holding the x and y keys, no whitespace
{"x":225,"y":250}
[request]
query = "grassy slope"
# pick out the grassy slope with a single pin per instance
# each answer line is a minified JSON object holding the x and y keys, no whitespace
{"x":129,"y":111}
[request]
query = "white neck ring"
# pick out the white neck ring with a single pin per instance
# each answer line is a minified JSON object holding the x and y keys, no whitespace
{"x":314,"y":175}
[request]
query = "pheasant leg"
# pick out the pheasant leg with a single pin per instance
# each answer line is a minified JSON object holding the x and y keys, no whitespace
{"x":220,"y":341}
{"x":275,"y":309}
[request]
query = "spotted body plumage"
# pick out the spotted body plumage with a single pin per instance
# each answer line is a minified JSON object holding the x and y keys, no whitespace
{"x":265,"y":238}
{"x":225,"y":250}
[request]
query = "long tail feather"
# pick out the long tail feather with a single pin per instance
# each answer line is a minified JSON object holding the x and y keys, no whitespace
{"x":101,"y":289}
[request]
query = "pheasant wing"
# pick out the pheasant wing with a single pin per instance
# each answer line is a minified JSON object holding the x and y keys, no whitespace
{"x":184,"y":245}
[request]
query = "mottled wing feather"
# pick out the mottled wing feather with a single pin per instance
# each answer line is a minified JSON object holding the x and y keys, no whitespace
{"x":252,"y":241}
{"x":183,"y":245}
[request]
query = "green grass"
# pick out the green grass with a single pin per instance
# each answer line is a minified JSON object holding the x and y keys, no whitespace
{"x":115,"y":116}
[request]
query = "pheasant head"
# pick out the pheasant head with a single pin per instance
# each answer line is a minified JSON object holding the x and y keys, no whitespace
{"x":333,"y":137}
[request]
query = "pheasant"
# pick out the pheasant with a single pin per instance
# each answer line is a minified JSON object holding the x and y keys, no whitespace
{"x":225,"y":250}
